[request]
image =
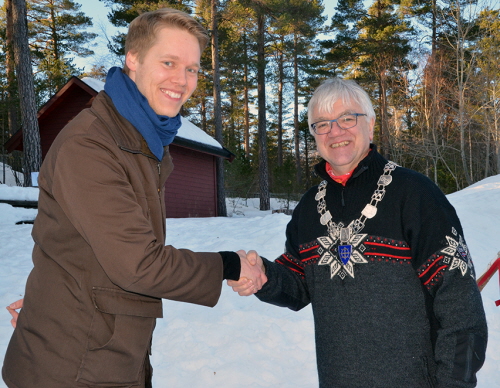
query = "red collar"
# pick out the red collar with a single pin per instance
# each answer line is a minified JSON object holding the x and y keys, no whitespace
{"x":342,"y":179}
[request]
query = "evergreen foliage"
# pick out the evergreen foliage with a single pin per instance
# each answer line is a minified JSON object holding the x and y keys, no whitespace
{"x":431,"y":68}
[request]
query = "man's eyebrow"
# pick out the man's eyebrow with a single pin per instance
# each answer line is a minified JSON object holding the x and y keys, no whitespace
{"x":340,"y":114}
{"x":320,"y":118}
{"x":170,"y":56}
{"x":346,"y":112}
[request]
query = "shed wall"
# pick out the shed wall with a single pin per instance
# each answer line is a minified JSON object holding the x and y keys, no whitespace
{"x":190,"y":191}
{"x":67,"y":108}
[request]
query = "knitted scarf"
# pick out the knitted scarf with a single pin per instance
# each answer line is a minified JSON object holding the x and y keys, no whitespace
{"x":157,"y":130}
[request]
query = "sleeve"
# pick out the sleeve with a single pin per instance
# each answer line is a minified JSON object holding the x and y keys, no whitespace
{"x":286,"y":285}
{"x":232,"y":265}
{"x":444,"y":266}
{"x":95,"y":189}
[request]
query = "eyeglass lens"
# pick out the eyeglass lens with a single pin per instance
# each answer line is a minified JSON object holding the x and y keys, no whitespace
{"x":344,"y":122}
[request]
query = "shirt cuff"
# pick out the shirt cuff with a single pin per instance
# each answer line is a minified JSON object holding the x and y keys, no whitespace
{"x":232,"y":265}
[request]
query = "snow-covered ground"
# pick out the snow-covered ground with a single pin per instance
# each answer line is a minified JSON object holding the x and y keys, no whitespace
{"x":242,"y":342}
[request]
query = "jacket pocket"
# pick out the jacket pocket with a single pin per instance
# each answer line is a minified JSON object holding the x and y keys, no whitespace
{"x":119,"y":337}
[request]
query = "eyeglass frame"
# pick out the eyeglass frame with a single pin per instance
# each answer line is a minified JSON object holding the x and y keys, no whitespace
{"x":313,"y":125}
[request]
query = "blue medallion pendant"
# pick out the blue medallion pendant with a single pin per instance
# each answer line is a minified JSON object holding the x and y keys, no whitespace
{"x":345,"y":252}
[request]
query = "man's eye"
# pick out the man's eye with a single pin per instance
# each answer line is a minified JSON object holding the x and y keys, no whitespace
{"x":168,"y":63}
{"x":322,"y":126}
{"x":347,"y":119}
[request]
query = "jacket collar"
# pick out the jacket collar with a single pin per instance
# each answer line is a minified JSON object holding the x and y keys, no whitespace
{"x":126,"y":136}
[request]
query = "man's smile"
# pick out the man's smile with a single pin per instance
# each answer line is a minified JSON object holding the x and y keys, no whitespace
{"x":341,"y":144}
{"x":171,"y":93}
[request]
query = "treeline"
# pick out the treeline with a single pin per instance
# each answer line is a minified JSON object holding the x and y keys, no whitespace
{"x":430,"y":66}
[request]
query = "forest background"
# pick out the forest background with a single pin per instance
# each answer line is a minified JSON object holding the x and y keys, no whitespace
{"x":431,"y":68}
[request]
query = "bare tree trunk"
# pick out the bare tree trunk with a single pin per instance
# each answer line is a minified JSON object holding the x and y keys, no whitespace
{"x":487,"y":151}
{"x":296,"y":111}
{"x":306,"y":156}
{"x":203,"y":113}
{"x":432,"y":97}
{"x":31,"y":133}
{"x":13,"y":115}
{"x":221,"y":192}
{"x":246,"y":100}
{"x":496,"y":126}
{"x":497,"y":154}
{"x":384,"y":122}
{"x":281,"y":81}
{"x":265,"y":201}
{"x":233,"y":138}
{"x":461,"y":124}
{"x":461,"y":84}
{"x":434,"y":28}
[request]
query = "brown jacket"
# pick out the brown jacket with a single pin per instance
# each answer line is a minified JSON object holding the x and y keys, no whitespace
{"x":101,"y":265}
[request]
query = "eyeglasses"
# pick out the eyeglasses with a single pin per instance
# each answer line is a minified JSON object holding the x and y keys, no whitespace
{"x":344,"y":122}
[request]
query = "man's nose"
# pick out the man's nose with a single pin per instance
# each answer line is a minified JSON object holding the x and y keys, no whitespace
{"x":179,"y":76}
{"x":335,"y":130}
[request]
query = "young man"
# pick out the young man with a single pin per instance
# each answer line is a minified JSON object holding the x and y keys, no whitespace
{"x":379,"y":253}
{"x":101,"y":265}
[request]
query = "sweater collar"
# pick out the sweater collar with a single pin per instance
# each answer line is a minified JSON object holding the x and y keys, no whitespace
{"x":363,"y":166}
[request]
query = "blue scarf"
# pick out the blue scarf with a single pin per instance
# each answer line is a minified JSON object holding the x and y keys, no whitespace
{"x":158,"y":131}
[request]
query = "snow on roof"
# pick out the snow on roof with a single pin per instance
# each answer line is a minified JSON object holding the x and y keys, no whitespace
{"x":95,"y":84}
{"x":190,"y":131}
{"x":187,"y":131}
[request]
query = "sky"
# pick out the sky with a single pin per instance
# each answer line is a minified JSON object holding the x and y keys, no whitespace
{"x":242,"y":342}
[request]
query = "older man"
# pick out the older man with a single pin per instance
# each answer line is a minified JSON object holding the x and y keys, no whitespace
{"x":380,"y":254}
{"x":101,"y":265}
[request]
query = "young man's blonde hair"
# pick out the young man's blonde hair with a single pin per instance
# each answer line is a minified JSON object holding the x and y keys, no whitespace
{"x":143,"y":29}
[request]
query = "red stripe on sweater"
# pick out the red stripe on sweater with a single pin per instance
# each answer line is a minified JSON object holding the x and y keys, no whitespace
{"x":434,"y":274}
{"x":387,"y":245}
{"x":290,"y":261}
{"x":309,"y":249}
{"x":430,"y":266}
{"x":310,"y":258}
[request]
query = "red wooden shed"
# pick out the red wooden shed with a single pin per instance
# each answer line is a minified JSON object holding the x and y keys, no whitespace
{"x":191,"y":189}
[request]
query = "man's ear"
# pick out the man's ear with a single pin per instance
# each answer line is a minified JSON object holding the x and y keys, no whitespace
{"x":372,"y":127}
{"x":132,"y":59}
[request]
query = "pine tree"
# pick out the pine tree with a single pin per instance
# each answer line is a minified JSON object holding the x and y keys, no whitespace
{"x":298,"y":22}
{"x":12,"y":96}
{"x":372,"y":46}
{"x":31,"y":134}
{"x":124,"y":11}
{"x":57,"y":32}
{"x":221,"y":196}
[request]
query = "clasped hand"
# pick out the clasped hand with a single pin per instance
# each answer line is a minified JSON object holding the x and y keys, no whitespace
{"x":252,"y":275}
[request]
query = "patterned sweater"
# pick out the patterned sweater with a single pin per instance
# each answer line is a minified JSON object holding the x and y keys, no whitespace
{"x":402,"y":309}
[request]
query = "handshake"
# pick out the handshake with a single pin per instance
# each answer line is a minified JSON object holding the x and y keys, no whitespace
{"x":252,"y":275}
